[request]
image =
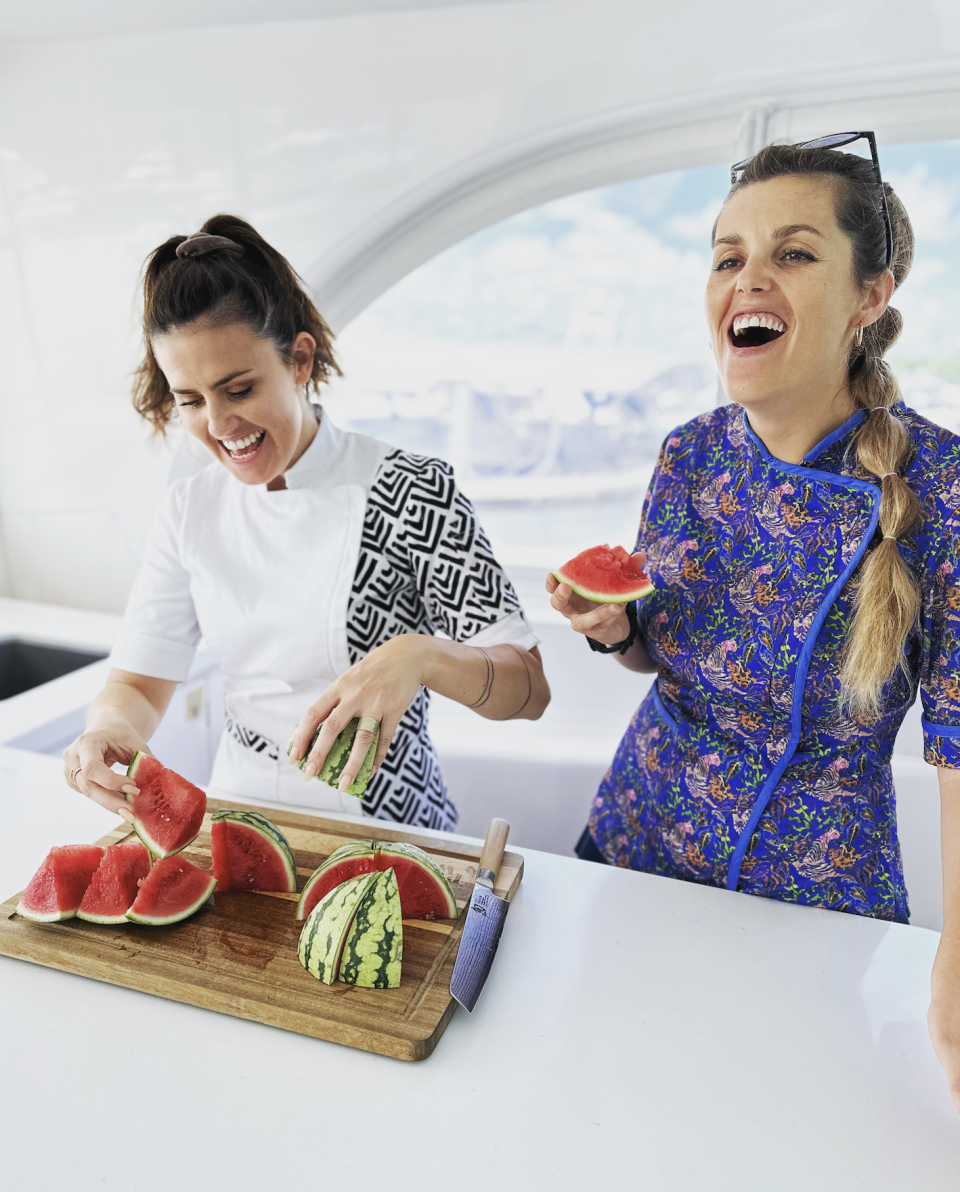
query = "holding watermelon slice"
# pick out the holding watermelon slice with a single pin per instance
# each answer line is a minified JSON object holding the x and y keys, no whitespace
{"x":606,"y":575}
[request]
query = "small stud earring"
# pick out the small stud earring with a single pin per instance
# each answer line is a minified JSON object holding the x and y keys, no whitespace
{"x":858,"y":340}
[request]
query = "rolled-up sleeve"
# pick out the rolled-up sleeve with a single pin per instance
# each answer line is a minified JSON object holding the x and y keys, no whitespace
{"x":160,"y":631}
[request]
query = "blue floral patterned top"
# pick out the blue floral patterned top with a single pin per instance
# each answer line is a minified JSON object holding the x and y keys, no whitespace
{"x":741,"y":767}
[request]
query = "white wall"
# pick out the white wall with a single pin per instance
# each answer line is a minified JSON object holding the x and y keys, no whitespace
{"x":360,"y":145}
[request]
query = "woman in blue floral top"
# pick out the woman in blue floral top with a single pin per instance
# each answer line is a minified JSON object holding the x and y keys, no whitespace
{"x":804,"y":545}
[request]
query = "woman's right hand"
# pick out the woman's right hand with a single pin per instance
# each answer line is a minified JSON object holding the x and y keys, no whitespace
{"x":87,"y":762}
{"x":605,"y":623}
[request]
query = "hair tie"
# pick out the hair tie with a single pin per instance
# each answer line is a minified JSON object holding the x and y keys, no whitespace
{"x":201,"y":243}
{"x":893,"y":536}
{"x":874,"y":409}
{"x":886,"y":474}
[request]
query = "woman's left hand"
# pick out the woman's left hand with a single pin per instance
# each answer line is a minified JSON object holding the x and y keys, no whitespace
{"x":382,"y":686}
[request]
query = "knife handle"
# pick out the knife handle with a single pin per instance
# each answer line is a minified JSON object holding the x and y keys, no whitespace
{"x":492,"y":853}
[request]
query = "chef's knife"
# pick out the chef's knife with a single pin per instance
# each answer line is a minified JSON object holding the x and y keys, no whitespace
{"x":485,"y":916}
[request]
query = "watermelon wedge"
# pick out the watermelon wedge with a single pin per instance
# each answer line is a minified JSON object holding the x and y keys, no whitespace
{"x":325,"y":931}
{"x":168,"y":811}
{"x":424,"y":890}
{"x":250,"y":853}
{"x":373,"y":949}
{"x":606,"y":575}
{"x":57,"y":888}
{"x":172,"y":890}
{"x":115,"y":884}
{"x":336,"y":759}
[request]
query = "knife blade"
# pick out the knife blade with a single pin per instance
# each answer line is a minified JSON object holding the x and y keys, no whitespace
{"x":484,"y":923}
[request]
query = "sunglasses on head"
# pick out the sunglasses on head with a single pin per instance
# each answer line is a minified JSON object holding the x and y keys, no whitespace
{"x":834,"y":141}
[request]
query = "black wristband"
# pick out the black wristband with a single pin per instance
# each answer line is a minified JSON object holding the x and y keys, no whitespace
{"x":619,"y":647}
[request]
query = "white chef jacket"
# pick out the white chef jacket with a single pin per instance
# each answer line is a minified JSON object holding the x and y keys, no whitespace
{"x":290,"y":588}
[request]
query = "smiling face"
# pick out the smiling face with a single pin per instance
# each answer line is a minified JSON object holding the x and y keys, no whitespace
{"x":239,"y":397}
{"x":782,"y":301}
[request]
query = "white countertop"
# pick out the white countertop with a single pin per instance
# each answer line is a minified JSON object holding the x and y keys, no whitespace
{"x":635,"y":1032}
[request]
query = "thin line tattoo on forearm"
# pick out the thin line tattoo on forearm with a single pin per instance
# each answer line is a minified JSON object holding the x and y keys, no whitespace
{"x":522,"y":655}
{"x":488,"y":683}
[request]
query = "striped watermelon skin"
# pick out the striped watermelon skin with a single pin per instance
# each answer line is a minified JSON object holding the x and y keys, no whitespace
{"x":373,"y":950}
{"x":337,"y":757}
{"x":250,"y":853}
{"x":327,"y":927}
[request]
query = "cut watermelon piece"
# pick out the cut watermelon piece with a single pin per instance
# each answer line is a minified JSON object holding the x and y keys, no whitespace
{"x":57,"y":888}
{"x":424,"y":891}
{"x":325,"y":931}
{"x":250,"y":853}
{"x":337,"y":757}
{"x":172,"y":890}
{"x":373,"y":949}
{"x":115,"y":884}
{"x":606,"y":575}
{"x":168,"y":811}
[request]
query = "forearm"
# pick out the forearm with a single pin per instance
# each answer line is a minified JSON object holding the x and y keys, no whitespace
{"x":134,"y":701}
{"x":637,"y":658}
{"x":502,"y":682}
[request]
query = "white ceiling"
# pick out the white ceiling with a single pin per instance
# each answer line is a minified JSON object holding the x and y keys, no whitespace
{"x":45,"y":20}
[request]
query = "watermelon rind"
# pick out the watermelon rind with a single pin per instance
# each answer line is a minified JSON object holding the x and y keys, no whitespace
{"x":138,"y":866}
{"x":157,"y":849}
{"x":604,"y":563}
{"x":327,"y":927}
{"x":182,"y":912}
{"x":605,"y":597}
{"x":269,"y":833}
{"x":373,"y":950}
{"x":357,"y":848}
{"x":337,"y":757}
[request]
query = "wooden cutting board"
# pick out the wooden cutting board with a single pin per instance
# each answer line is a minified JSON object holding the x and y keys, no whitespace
{"x":239,"y":956}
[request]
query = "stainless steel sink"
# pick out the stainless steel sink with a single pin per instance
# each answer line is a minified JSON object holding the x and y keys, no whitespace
{"x":25,"y":665}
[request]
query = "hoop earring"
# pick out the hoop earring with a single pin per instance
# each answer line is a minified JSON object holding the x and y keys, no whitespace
{"x":858,"y":338}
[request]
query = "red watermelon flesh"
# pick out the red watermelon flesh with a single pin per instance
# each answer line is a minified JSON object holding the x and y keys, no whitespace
{"x":168,"y":811}
{"x":115,"y":884}
{"x":250,"y":853}
{"x":424,"y":892}
{"x":605,"y":574}
{"x":172,"y":890}
{"x":57,"y":888}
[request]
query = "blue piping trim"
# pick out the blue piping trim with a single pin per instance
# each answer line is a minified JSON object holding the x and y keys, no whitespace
{"x":940,"y":730}
{"x":664,"y":714}
{"x":851,"y":422}
{"x":806,"y":653}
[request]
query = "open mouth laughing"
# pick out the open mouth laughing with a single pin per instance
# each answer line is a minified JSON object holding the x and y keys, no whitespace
{"x":245,"y":449}
{"x":755,"y":329}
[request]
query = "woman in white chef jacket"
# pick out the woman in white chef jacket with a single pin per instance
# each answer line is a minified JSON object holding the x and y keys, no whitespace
{"x":318,"y":565}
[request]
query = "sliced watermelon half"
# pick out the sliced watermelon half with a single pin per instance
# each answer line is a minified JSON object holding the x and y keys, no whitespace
{"x":57,"y":888}
{"x":250,"y":853}
{"x":168,"y":811}
{"x":606,"y":575}
{"x":114,"y":887}
{"x":172,"y":890}
{"x":424,"y":890}
{"x":328,"y":926}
